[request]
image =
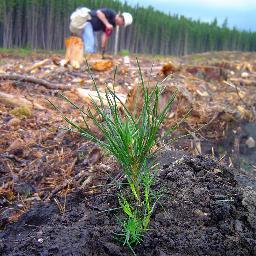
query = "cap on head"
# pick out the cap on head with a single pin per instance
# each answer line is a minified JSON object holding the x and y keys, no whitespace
{"x":127,"y":18}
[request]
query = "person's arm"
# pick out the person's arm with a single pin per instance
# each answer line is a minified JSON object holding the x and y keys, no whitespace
{"x":103,"y":18}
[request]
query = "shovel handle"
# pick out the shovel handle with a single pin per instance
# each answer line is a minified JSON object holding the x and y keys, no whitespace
{"x":103,"y":54}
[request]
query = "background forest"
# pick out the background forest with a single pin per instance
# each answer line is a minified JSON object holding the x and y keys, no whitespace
{"x":45,"y":23}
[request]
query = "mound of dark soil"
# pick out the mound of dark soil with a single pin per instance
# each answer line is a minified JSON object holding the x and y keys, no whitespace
{"x":203,"y":211}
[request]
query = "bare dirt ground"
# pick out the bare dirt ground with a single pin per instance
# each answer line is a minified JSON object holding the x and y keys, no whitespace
{"x":51,"y":178}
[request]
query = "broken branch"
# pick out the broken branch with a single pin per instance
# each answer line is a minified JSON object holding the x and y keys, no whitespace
{"x":37,"y":65}
{"x":34,"y":80}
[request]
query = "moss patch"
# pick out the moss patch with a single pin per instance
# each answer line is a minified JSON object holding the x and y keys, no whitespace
{"x":21,"y":112}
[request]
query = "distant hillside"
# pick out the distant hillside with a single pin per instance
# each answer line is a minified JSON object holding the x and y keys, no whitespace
{"x":45,"y":23}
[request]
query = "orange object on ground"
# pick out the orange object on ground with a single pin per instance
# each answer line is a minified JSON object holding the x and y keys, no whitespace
{"x":74,"y":51}
{"x":168,"y":68}
{"x":102,"y":65}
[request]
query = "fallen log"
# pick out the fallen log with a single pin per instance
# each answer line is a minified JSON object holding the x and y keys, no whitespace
{"x":17,"y":101}
{"x":30,"y":79}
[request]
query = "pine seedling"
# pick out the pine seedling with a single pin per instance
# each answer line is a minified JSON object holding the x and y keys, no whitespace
{"x":129,"y":137}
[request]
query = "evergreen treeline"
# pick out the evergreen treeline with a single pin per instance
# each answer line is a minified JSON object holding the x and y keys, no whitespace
{"x":45,"y":23}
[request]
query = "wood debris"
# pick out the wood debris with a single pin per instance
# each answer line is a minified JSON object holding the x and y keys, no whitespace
{"x":37,"y":65}
{"x":30,"y":79}
{"x":74,"y":52}
{"x":38,"y":152}
{"x":102,"y":65}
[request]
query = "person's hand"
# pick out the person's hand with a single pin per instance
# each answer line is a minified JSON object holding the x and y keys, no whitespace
{"x":109,"y":26}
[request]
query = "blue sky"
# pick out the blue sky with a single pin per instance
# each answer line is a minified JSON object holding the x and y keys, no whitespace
{"x":240,"y":13}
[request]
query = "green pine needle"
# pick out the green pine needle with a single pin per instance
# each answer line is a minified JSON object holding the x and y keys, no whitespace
{"x":129,"y":137}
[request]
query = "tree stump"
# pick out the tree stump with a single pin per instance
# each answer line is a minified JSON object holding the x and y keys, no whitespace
{"x":74,"y":51}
